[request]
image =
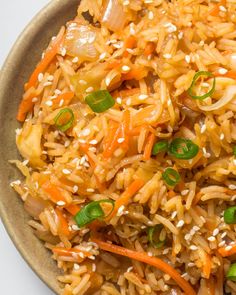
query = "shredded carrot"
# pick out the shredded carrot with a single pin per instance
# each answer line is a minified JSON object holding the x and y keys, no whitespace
{"x":48,"y":58}
{"x":229,"y":74}
{"x":130,"y":43}
{"x":154,"y":261}
{"x":149,"y":49}
{"x":64,"y":97}
{"x":207,"y":263}
{"x":114,"y":64}
{"x":55,"y":193}
{"x":78,"y":254}
{"x":216,"y":10}
{"x":63,"y":228}
{"x":148,"y":148}
{"x":224,"y":252}
{"x":26,"y":105}
{"x":73,"y":209}
{"x":132,"y":189}
{"x":197,"y":198}
{"x":121,"y":131}
{"x":136,"y":73}
{"x":171,"y":194}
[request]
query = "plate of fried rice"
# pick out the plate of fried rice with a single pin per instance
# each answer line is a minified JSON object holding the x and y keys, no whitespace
{"x":127,"y":144}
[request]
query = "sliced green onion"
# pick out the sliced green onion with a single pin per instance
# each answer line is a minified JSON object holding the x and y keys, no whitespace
{"x":159,"y":147}
{"x":91,"y":212}
{"x":195,"y":78}
{"x":230,"y":215}
{"x":171,"y":177}
{"x":64,"y":119}
{"x":182,"y":148}
{"x":100,"y":101}
{"x":154,"y":236}
{"x":231,"y":274}
{"x":234,"y":150}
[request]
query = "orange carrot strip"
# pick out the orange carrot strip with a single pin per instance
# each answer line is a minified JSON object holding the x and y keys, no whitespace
{"x":132,"y":189}
{"x":63,"y":228}
{"x":25,"y":106}
{"x":65,"y":97}
{"x":55,"y":193}
{"x":207,"y":266}
{"x":136,"y":73}
{"x":130,"y":43}
{"x":154,"y":261}
{"x":149,"y":49}
{"x":48,"y":58}
{"x":225,"y":253}
{"x":148,"y":148}
{"x":73,"y":209}
{"x":79,"y":255}
{"x":216,"y":10}
{"x":229,"y":74}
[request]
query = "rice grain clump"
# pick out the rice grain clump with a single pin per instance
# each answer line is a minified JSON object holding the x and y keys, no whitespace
{"x":128,"y":141}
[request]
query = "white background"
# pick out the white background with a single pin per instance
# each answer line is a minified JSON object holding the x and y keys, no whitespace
{"x":14,"y":16}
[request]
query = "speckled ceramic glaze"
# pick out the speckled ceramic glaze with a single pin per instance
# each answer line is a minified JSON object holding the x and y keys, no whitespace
{"x":15,"y":72}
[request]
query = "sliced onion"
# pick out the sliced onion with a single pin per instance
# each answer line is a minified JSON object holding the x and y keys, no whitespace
{"x":114,"y":16}
{"x":34,"y":205}
{"x":228,"y":96}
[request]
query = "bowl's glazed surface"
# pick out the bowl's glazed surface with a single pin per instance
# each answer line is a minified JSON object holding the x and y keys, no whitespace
{"x":15,"y":72}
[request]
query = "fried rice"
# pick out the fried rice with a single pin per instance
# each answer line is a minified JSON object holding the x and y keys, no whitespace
{"x":128,"y":141}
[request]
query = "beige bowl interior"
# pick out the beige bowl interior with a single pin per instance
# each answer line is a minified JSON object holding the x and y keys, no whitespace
{"x":15,"y":72}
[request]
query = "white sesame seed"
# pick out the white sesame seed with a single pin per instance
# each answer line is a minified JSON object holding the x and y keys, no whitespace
{"x":66,"y":171}
{"x":232,"y":186}
{"x":92,"y":257}
{"x":75,"y":59}
{"x":148,"y":1}
{"x":75,"y":188}
{"x":25,"y":162}
{"x":234,"y":161}
{"x":61,"y":203}
{"x":180,"y":35}
{"x":126,"y":2}
{"x":102,"y":55}
{"x":187,"y":58}
{"x":222,"y":71}
{"x":90,"y":190}
{"x":35,"y":99}
{"x":128,"y":102}
{"x":165,"y":251}
{"x":211,"y":239}
{"x":63,"y":51}
{"x":221,"y":244}
{"x":129,"y":269}
{"x":119,"y":100}
{"x":81,"y":140}
{"x":142,"y":97}
{"x":57,"y":91}
{"x":173,"y":215}
{"x":82,"y":82}
{"x":82,"y":160}
{"x":129,"y":50}
{"x":215,"y":232}
{"x":93,"y":267}
{"x":193,"y":247}
{"x":125,"y":68}
{"x":49,"y":103}
{"x":89,"y":89}
{"x":223,"y":235}
{"x":75,"y":227}
{"x":40,"y":77}
{"x":180,"y":223}
{"x":92,"y":149}
{"x":228,"y":248}
{"x":93,"y":142}
{"x":86,"y":132}
{"x":120,"y":210}
{"x":196,"y":228}
{"x":167,"y":55}
{"x":191,"y":264}
{"x":203,"y":128}
{"x":222,"y":8}
{"x":50,"y":78}
{"x":185,"y":192}
{"x":15,"y":182}
{"x":149,"y":254}
{"x":131,"y":29}
{"x":150,"y":15}
{"x":120,"y":140}
{"x":203,"y":219}
{"x":222,"y":136}
{"x":76,"y":266}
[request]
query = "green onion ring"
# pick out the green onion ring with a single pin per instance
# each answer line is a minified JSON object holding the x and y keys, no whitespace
{"x":230,"y":215}
{"x":155,"y":230}
{"x":161,"y":146}
{"x":100,"y":101}
{"x":231,"y":274}
{"x":64,"y":127}
{"x":182,"y":148}
{"x":171,"y":177}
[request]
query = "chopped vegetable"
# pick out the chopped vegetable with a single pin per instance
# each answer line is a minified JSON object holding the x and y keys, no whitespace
{"x":48,"y":58}
{"x":73,"y":209}
{"x":64,"y":97}
{"x":114,"y":16}
{"x":230,"y":215}
{"x":216,"y":10}
{"x":64,"y":119}
{"x":231,"y":274}
{"x":182,"y":148}
{"x":160,"y":146}
{"x":130,"y":43}
{"x":195,"y":78}
{"x":132,"y":189}
{"x":154,"y":261}
{"x":55,"y":193}
{"x":149,"y":49}
{"x":148,"y":148}
{"x":63,"y":226}
{"x":26,"y":105}
{"x":93,"y":211}
{"x":171,"y":177}
{"x":154,"y":236}
{"x":100,"y":101}
{"x":227,"y":251}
